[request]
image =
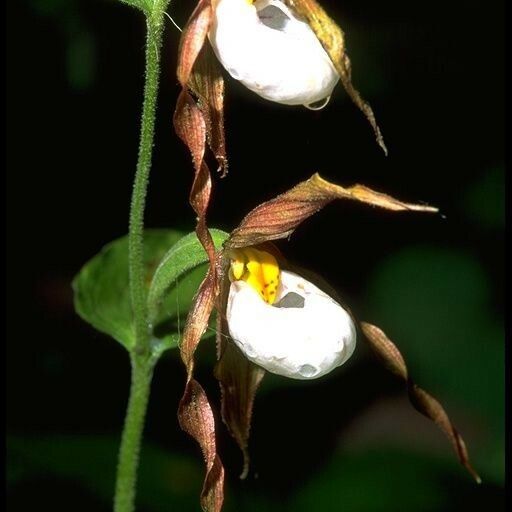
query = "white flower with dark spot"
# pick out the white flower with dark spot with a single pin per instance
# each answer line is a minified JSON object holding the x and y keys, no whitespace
{"x":264,"y":45}
{"x":304,"y":334}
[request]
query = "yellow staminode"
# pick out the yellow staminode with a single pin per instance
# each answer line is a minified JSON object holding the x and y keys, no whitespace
{"x":257,"y":268}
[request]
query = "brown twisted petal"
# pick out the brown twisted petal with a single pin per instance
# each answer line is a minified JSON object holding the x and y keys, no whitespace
{"x":190,"y":126}
{"x":207,"y":84}
{"x":192,"y":39}
{"x":199,"y":72}
{"x":239,"y":380}
{"x":195,"y":414}
{"x":332,"y":39}
{"x":279,"y":217}
{"x":197,"y":320}
{"x":420,"y":399}
{"x":195,"y":123}
{"x":196,"y":418}
{"x":189,"y":121}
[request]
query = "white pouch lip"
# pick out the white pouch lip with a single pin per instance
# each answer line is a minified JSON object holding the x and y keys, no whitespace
{"x":287,"y":65}
{"x":299,"y":343}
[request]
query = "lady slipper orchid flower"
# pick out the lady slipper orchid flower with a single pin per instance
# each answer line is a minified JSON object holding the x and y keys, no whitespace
{"x":265,"y":46}
{"x":282,"y":322}
{"x":291,"y":53}
{"x":269,"y":318}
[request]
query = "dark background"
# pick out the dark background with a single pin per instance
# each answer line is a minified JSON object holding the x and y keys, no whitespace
{"x":434,"y":75}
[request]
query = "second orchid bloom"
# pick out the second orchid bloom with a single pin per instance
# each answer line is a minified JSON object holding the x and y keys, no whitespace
{"x":270,"y":318}
{"x":282,"y":322}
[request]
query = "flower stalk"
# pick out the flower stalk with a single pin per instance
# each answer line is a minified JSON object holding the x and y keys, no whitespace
{"x":142,"y":363}
{"x":128,"y":462}
{"x":155,"y":24}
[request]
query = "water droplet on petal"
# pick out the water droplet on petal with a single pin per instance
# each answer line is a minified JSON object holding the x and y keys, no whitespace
{"x":306,"y":370}
{"x":318,"y":105}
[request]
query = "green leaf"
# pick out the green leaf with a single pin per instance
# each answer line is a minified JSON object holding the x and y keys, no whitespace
{"x":186,"y":254}
{"x":101,"y":288}
{"x":175,"y":266}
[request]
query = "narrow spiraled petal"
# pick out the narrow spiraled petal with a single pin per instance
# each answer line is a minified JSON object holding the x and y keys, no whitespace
{"x":280,"y":216}
{"x":272,"y":52}
{"x":202,"y":84}
{"x":333,"y":41}
{"x":305,"y":334}
{"x":422,"y":401}
{"x":195,"y":413}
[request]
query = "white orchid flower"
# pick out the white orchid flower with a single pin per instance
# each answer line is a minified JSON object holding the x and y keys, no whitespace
{"x":284,"y":323}
{"x":272,"y":319}
{"x":264,"y":45}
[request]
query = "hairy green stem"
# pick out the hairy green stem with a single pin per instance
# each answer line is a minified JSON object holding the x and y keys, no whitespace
{"x":128,"y":462}
{"x":135,"y":236}
{"x":142,"y":363}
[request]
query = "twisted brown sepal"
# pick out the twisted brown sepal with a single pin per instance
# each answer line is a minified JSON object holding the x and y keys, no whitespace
{"x":279,"y":217}
{"x":207,"y":85}
{"x":192,"y":39}
{"x":422,"y":401}
{"x":239,"y":380}
{"x":195,"y":414}
{"x":197,"y":122}
{"x":199,"y":72}
{"x":333,"y":40}
{"x":196,"y":418}
{"x":190,"y":127}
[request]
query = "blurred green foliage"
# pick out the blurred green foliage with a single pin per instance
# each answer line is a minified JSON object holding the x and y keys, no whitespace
{"x":484,"y":201}
{"x":166,"y":479}
{"x":81,"y":51}
{"x":373,"y":480}
{"x":380,"y":480}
